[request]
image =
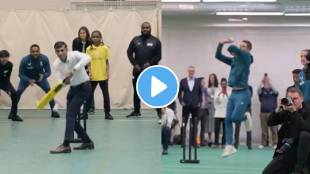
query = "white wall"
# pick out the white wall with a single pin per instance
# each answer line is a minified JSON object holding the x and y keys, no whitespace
{"x":189,"y":40}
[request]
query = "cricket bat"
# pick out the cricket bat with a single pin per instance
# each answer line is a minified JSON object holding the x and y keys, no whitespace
{"x":49,"y":96}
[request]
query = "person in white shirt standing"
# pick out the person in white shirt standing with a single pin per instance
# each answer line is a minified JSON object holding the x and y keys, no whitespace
{"x":220,"y":103}
{"x":70,"y":70}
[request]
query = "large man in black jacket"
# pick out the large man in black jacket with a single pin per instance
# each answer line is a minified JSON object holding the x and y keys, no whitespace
{"x":295,"y":120}
{"x":143,"y":51}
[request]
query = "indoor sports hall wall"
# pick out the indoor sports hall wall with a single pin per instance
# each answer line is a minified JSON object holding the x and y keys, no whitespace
{"x":21,"y":28}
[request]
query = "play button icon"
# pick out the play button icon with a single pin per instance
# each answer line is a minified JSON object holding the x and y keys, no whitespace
{"x":157,"y":86}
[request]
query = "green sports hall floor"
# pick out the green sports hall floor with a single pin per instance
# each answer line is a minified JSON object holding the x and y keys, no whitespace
{"x":122,"y":146}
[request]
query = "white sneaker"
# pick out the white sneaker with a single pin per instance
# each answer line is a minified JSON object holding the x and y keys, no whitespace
{"x":261,"y":146}
{"x":159,"y":121}
{"x":274,"y":147}
{"x":229,"y":150}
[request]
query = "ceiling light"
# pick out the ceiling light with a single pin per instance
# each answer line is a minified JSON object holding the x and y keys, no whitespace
{"x":239,"y":0}
{"x":297,"y":14}
{"x":249,"y":13}
{"x":180,"y":1}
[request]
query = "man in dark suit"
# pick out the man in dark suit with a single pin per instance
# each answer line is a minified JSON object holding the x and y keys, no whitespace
{"x":190,"y":95}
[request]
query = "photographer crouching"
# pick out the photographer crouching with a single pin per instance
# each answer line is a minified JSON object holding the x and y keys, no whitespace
{"x":293,"y":149}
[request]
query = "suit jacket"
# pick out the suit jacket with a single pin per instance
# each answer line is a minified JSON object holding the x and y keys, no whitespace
{"x":190,"y":98}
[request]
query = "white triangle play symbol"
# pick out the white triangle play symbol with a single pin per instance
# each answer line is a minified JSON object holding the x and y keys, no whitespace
{"x":157,"y":86}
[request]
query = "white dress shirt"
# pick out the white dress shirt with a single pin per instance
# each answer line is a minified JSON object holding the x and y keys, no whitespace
{"x":75,"y":61}
{"x":191,"y":83}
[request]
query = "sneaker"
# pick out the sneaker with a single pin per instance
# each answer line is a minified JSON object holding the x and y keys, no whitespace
{"x":274,"y":146}
{"x":134,"y":114}
{"x":165,"y":152}
{"x":228,"y":151}
{"x":16,"y":118}
{"x":261,"y":146}
{"x":108,"y":116}
{"x":55,"y":114}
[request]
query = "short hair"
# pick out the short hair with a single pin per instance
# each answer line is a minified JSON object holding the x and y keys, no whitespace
{"x":191,"y":66}
{"x":296,"y":71}
{"x":248,"y":43}
{"x":34,"y":45}
{"x":4,"y":53}
{"x":59,"y":44}
{"x":146,"y":23}
{"x":223,"y":79}
{"x":293,"y":89}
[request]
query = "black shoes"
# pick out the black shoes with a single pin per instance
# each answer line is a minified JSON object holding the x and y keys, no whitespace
{"x":134,"y":114}
{"x":55,"y":114}
{"x":85,"y":146}
{"x":108,"y":116}
{"x":165,"y":152}
{"x":61,"y":149}
{"x":15,"y":118}
{"x":91,"y":111}
{"x":84,"y":116}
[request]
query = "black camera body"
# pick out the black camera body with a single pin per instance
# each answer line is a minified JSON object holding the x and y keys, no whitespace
{"x":287,"y":101}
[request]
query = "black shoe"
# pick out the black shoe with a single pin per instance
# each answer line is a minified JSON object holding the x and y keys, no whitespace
{"x":61,"y":149}
{"x":55,"y":114}
{"x":10,"y":116}
{"x":249,"y":147}
{"x":85,"y":146}
{"x":165,"y":152}
{"x":16,"y":118}
{"x":108,"y":116}
{"x":134,"y":114}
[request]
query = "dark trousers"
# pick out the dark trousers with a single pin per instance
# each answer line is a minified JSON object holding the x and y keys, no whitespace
{"x":186,"y":112}
{"x":237,"y":136}
{"x":44,"y":85}
{"x":165,"y":137}
{"x":303,"y":150}
{"x":75,"y":98}
{"x":217,"y":127}
{"x":282,"y":164}
{"x":136,"y":99}
{"x":203,"y":113}
{"x":299,"y":156}
{"x":105,"y":92}
{"x":9,"y":89}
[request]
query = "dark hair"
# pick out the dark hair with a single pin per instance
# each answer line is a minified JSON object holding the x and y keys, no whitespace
{"x":293,"y":89}
{"x":59,"y":44}
{"x":87,"y":33}
{"x":96,"y":31}
{"x":216,"y":82}
{"x":296,"y":71}
{"x":4,"y":53}
{"x":248,"y":43}
{"x":34,"y":45}
{"x":146,"y":23}
{"x":223,"y":79}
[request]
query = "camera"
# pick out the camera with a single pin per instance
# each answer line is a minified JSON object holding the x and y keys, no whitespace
{"x":287,"y":101}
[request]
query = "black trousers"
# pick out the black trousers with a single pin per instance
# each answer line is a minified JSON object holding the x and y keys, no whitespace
{"x":186,"y":112}
{"x":202,"y":119}
{"x":136,"y":99}
{"x":237,"y":136}
{"x":104,"y":85}
{"x":75,"y":98}
{"x":165,"y":137}
{"x":10,"y":90}
{"x":299,"y":156}
{"x":218,"y":122}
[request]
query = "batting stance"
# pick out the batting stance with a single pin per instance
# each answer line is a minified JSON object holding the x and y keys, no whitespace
{"x":70,"y":69}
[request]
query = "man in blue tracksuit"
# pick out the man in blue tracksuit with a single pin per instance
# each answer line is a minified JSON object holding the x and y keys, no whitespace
{"x":35,"y":69}
{"x":304,"y":76}
{"x":238,"y":81}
